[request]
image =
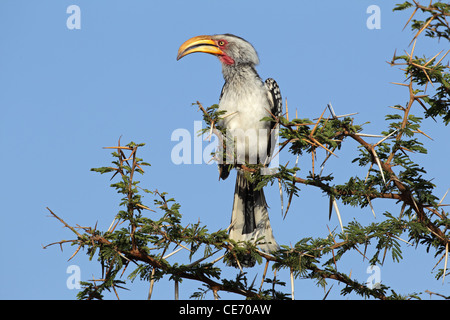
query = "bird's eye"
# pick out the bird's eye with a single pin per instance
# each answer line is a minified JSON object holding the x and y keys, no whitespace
{"x":221,"y":43}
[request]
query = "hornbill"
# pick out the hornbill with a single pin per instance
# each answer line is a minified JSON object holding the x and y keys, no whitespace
{"x":246,"y":99}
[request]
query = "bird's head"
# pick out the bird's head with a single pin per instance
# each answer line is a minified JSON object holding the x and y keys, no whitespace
{"x":230,"y":49}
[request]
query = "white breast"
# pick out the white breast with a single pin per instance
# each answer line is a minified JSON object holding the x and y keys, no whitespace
{"x":245,"y":107}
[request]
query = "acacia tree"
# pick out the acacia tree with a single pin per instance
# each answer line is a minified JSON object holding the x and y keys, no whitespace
{"x":142,"y":237}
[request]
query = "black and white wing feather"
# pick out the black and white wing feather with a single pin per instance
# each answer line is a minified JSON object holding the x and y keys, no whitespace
{"x":276,"y":109}
{"x":274,"y":97}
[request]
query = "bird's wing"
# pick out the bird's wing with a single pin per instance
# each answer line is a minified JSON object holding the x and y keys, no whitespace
{"x":224,"y":168}
{"x":274,"y":94}
{"x":276,"y":107}
{"x":221,"y":92}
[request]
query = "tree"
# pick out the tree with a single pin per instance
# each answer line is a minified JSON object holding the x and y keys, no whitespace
{"x":146,"y":241}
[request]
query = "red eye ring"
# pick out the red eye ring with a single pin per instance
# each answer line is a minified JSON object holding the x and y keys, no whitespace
{"x":221,"y":43}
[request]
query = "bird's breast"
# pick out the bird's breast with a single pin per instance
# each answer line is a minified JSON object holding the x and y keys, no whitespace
{"x":245,"y":107}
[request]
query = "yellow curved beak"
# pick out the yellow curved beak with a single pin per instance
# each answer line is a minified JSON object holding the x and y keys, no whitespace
{"x":199,"y":44}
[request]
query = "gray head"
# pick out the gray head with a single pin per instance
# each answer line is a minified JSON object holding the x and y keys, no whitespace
{"x":230,"y":49}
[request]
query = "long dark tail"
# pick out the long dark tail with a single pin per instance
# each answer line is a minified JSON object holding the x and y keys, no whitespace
{"x":250,"y":218}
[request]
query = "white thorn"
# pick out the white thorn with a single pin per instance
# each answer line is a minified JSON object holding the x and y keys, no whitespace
{"x":338,"y":214}
{"x":385,"y":138}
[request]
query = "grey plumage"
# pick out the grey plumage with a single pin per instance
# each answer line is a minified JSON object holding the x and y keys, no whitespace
{"x":246,"y":99}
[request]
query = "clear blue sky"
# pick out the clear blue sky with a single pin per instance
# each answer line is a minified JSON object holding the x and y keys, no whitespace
{"x":65,"y":94}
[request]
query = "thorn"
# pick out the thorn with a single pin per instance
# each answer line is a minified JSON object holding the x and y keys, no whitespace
{"x":330,"y":208}
{"x":170,"y":254}
{"x":379,"y":165}
{"x":338,"y":213}
{"x":152,"y":282}
{"x":420,"y":131}
{"x":326,"y":295}
{"x":118,"y":147}
{"x":415,"y":10}
{"x":442,"y":59}
{"x":281,"y":196}
{"x":369,"y":135}
{"x":445,"y":262}
{"x":402,"y":109}
{"x":317,"y":142}
{"x":317,"y":123}
{"x":347,"y":115}
{"x":292,"y":193}
{"x":74,"y":254}
{"x":428,"y":77}
{"x":433,"y":58}
{"x":393,"y":57}
{"x":368,"y":172}
{"x":444,"y":196}
{"x":330,"y":107}
{"x":177,"y":291}
{"x":287,"y":110}
{"x":371,"y":207}
{"x":264,"y":275}
{"x":420,"y":31}
{"x":400,"y":84}
{"x":398,"y":238}
{"x":412,"y":51}
{"x":423,"y":106}
{"x":385,"y":138}
{"x":292,"y":284}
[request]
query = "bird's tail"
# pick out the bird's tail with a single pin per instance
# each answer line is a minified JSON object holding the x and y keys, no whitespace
{"x":250,"y":218}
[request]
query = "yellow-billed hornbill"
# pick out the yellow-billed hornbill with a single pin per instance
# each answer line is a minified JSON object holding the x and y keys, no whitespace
{"x":246,"y":99}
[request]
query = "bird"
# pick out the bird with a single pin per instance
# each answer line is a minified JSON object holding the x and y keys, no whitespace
{"x":245,"y":100}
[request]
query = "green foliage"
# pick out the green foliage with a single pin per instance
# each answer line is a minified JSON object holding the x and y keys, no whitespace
{"x":142,"y":239}
{"x":431,"y":70}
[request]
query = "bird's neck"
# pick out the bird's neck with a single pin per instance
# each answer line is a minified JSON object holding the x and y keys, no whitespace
{"x":239,"y":73}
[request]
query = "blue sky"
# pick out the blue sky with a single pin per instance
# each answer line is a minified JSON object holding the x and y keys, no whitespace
{"x":65,"y":94}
